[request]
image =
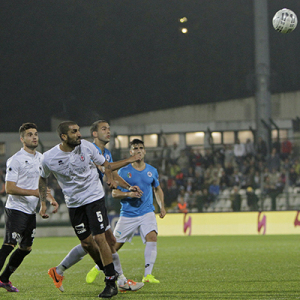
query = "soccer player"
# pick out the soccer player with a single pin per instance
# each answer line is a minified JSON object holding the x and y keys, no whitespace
{"x":21,"y":183}
{"x":70,"y":162}
{"x":100,"y":132}
{"x":138,"y":212}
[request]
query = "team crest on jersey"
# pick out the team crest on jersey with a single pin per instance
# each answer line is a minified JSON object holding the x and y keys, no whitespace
{"x":81,"y":157}
{"x":149,"y":174}
{"x":107,"y":157}
{"x":129,"y":175}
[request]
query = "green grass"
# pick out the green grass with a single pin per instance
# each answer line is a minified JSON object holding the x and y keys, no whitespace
{"x":191,"y":267}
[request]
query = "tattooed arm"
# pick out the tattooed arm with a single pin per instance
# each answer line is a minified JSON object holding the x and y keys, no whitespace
{"x":43,"y":197}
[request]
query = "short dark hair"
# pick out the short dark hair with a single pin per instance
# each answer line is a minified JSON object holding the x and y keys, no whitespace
{"x":63,"y":128}
{"x":26,"y":126}
{"x":94,"y":126}
{"x":136,"y":141}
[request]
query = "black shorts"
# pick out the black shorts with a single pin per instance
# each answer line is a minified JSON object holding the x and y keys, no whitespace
{"x":89,"y":219}
{"x":20,"y":228}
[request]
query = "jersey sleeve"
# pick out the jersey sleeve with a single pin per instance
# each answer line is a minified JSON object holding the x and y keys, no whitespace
{"x":155,"y":182}
{"x":44,"y":170}
{"x":12,"y":170}
{"x":97,"y":158}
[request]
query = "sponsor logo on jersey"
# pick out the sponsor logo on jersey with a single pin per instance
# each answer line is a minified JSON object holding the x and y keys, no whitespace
{"x":129,"y":175}
{"x":149,"y":174}
{"x":80,"y":228}
{"x":117,"y":233}
{"x":60,"y":162}
{"x":16,"y":236}
{"x":81,"y":157}
{"x":107,"y":157}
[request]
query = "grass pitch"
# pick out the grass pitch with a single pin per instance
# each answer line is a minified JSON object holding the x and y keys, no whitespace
{"x":190,"y":267}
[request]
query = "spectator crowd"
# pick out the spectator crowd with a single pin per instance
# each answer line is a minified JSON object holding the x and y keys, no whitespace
{"x":193,"y":179}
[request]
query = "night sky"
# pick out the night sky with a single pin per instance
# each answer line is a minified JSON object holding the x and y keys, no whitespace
{"x":91,"y":59}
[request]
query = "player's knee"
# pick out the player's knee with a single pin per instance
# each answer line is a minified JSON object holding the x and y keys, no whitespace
{"x":88,"y":244}
{"x":26,"y":249}
{"x":111,"y":241}
{"x":151,"y":237}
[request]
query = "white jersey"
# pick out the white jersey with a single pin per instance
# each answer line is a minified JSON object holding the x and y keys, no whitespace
{"x":79,"y":182}
{"x":23,"y":169}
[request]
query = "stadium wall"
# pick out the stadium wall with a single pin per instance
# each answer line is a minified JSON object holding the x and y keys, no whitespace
{"x":241,"y":223}
{"x":177,"y":224}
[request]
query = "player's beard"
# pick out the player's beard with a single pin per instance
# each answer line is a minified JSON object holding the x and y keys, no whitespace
{"x":31,"y":146}
{"x":73,"y":143}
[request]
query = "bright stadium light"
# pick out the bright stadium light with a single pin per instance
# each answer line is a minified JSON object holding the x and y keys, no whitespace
{"x":183,"y":20}
{"x":184,"y":30}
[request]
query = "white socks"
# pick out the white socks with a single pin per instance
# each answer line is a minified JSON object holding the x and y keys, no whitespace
{"x":73,"y":257}
{"x":150,"y":257}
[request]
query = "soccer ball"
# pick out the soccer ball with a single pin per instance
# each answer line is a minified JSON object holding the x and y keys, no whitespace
{"x":285,"y":21}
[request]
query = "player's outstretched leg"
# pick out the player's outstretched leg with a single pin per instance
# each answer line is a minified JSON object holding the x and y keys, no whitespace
{"x":57,"y":279}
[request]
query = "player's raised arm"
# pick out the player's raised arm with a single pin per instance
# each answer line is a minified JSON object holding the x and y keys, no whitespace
{"x":122,"y":163}
{"x":109,"y":176}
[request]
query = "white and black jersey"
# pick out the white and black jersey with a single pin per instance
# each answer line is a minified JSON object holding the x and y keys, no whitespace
{"x":79,"y":182}
{"x":23,"y":169}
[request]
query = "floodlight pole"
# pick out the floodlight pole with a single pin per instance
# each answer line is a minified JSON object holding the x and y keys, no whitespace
{"x":262,"y":70}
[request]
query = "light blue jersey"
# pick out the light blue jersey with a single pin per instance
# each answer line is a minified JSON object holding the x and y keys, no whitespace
{"x":145,"y":180}
{"x":107,"y":156}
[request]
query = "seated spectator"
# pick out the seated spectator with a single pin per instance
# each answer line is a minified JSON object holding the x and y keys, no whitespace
{"x":293,"y":177}
{"x":203,"y":199}
{"x":198,"y":181}
{"x":182,"y":198}
{"x":236,"y":199}
{"x":235,"y":179}
{"x":297,"y":166}
{"x":199,"y":160}
{"x":174,"y":170}
{"x":214,"y":190}
{"x":252,"y":199}
{"x":224,"y":181}
{"x":273,"y":161}
{"x":200,"y":199}
{"x":273,"y":190}
{"x":182,"y":205}
{"x":229,"y":169}
{"x":261,"y":149}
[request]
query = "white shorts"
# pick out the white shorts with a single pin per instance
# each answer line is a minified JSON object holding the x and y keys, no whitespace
{"x":126,"y":227}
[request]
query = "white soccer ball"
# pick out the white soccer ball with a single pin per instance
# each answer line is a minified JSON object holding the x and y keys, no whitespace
{"x":285,"y":21}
